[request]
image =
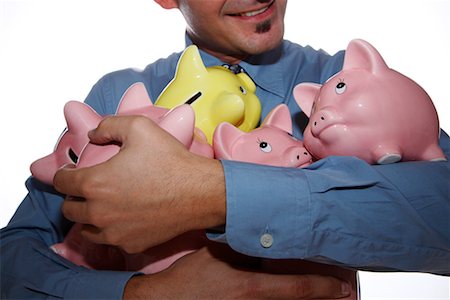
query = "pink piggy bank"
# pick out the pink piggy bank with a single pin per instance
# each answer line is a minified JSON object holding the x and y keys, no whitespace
{"x":81,"y":118}
{"x":270,"y":144}
{"x":179,"y":121}
{"x":74,"y":147}
{"x":273,"y":144}
{"x":370,"y":111}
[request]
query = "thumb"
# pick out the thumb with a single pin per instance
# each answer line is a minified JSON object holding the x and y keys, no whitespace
{"x":115,"y":129}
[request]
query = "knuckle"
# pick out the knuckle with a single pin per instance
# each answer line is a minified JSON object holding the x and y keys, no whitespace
{"x":137,"y":123}
{"x":66,"y":211}
{"x":110,"y":238}
{"x":92,"y":217}
{"x":129,"y":249}
{"x":104,"y":123}
{"x":89,"y":186}
{"x":95,"y":187}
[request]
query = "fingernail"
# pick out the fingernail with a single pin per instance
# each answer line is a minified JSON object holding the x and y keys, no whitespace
{"x":345,"y":288}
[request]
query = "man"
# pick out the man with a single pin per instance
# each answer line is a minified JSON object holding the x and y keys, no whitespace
{"x":199,"y":190}
{"x":340,"y":210}
{"x":31,"y":270}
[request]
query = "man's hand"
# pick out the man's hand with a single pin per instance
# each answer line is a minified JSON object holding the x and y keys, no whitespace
{"x":204,"y":275}
{"x":153,"y":190}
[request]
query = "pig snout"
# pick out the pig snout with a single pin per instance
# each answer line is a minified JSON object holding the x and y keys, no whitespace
{"x":297,"y":157}
{"x":321,"y":120}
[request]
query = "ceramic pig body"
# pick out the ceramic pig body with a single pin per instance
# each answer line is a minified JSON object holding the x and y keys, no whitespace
{"x":270,"y":144}
{"x":370,"y":111}
{"x":74,"y":148}
{"x":215,"y":93}
{"x":273,"y":144}
{"x":81,"y":118}
{"x":179,"y":122}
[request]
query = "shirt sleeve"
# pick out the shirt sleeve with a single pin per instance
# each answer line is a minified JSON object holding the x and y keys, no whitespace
{"x":341,"y":210}
{"x":31,"y":270}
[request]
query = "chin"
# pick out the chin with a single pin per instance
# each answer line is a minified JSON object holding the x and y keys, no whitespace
{"x":263,"y":45}
{"x":265,"y":41}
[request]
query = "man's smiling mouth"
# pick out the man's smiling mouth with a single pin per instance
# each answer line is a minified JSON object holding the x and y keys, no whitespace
{"x":253,"y":12}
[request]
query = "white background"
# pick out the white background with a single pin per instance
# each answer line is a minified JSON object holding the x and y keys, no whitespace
{"x":52,"y":51}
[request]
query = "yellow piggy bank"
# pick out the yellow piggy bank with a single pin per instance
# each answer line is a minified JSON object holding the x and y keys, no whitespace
{"x":215,"y":93}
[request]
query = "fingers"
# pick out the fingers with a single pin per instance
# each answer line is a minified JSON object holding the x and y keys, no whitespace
{"x":300,"y":287}
{"x":118,"y":129}
{"x":67,"y":181}
{"x":75,"y":209}
{"x":109,"y":129}
{"x":76,"y":182}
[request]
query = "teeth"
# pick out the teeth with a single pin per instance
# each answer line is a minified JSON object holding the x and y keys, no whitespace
{"x":254,"y":13}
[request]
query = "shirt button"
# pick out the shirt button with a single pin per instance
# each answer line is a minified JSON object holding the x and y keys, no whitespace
{"x":266,"y":240}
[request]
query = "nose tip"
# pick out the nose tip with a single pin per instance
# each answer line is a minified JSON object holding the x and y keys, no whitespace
{"x":322,"y":118}
{"x":298,"y":156}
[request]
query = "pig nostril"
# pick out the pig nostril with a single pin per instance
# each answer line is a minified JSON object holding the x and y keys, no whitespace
{"x":315,"y":123}
{"x":298,"y":157}
{"x":322,"y":118}
{"x":306,"y":153}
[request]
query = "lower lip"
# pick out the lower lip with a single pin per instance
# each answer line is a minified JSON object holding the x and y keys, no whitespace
{"x":261,"y":16}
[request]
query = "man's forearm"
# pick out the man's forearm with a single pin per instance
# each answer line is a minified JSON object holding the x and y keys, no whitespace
{"x":209,"y":274}
{"x":207,"y":206}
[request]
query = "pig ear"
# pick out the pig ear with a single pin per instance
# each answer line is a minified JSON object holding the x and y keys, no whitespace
{"x":362,"y":55}
{"x":280,"y":118}
{"x":180,"y":122}
{"x":134,"y":98}
{"x":80,"y":117}
{"x":305,"y":94}
{"x":225,"y":135}
{"x":191,"y":64}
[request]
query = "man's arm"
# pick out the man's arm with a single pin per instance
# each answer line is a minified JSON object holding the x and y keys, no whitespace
{"x":341,"y":210}
{"x":210,"y":274}
{"x":31,"y":270}
{"x":171,"y":190}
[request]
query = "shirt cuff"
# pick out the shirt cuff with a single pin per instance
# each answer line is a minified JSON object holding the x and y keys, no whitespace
{"x":260,"y":221}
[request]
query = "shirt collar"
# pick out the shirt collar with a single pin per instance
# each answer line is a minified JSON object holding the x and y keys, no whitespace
{"x":265,"y":69}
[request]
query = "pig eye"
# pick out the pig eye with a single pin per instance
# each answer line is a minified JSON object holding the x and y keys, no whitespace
{"x":341,"y":87}
{"x":243,"y":91}
{"x":265,"y":146}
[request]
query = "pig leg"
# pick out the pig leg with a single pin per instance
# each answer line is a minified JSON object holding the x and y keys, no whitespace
{"x":433,"y":153}
{"x":387,"y":154}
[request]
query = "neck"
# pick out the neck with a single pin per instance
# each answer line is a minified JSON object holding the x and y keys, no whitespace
{"x":231,"y":59}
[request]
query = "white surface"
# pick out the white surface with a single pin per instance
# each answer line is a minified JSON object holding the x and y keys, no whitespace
{"x":52,"y":51}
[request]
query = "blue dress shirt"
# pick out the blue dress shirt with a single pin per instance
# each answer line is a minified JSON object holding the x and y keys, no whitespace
{"x":340,"y":210}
